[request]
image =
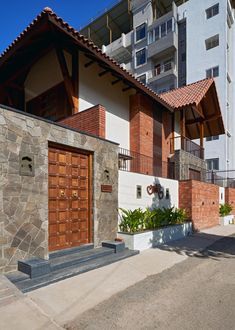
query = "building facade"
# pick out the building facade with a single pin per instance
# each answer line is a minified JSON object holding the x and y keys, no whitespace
{"x":170,"y":44}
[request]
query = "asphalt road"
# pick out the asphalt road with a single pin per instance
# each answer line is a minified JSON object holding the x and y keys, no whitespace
{"x":198,"y":293}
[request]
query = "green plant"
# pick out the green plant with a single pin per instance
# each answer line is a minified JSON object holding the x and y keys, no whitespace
{"x":131,"y":221}
{"x":139,"y":220}
{"x":225,"y":209}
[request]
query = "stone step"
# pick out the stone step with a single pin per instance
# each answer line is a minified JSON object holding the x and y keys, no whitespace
{"x":29,"y":284}
{"x":64,"y":252}
{"x":78,"y":258}
{"x":116,"y":245}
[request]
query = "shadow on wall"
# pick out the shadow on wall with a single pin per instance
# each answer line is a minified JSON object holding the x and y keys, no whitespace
{"x":162,"y":198}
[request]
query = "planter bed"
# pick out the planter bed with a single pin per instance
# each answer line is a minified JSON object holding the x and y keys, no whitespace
{"x":148,"y":239}
{"x":226,"y":220}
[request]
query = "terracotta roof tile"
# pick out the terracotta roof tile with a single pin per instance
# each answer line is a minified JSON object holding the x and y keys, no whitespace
{"x":191,"y":94}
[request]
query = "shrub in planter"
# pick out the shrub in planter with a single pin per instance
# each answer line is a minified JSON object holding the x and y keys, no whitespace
{"x":150,"y":219}
{"x":225,"y":209}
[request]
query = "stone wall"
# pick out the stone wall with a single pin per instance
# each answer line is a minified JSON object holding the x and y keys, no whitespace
{"x":24,"y":199}
{"x":201,"y":202}
{"x":230,"y":198}
{"x":184,"y":161}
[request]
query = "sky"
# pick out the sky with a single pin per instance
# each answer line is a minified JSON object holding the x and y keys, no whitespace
{"x":15,"y":15}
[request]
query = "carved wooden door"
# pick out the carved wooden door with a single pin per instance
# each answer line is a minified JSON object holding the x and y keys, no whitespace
{"x":69,"y":199}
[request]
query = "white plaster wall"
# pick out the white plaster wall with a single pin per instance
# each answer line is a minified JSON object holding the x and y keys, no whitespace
{"x":127,"y":191}
{"x":199,"y":59}
{"x":44,"y":75}
{"x":95,"y":90}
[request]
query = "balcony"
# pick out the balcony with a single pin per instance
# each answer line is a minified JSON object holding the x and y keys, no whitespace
{"x":163,"y":46}
{"x":120,"y":49}
{"x":130,"y":161}
{"x":185,"y":144}
{"x":166,"y":70}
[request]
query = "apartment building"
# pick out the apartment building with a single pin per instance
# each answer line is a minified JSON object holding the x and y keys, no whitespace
{"x":168,"y":44}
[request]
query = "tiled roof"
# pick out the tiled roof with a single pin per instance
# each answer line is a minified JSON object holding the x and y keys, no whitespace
{"x":191,"y":94}
{"x":89,"y":45}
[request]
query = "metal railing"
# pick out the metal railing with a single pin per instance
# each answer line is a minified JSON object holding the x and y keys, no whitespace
{"x":183,"y":143}
{"x":221,"y":178}
{"x":131,"y":161}
{"x":163,"y":68}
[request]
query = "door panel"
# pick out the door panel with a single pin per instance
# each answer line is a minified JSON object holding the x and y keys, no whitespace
{"x":69,"y":202}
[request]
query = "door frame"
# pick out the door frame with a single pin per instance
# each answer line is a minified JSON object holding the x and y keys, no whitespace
{"x":90,"y":155}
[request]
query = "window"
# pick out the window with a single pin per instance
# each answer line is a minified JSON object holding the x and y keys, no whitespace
{"x":142,"y":78}
{"x":169,"y":25}
{"x":212,"y":42}
{"x":141,"y":57}
{"x":212,"y":11}
{"x":140,"y":32}
{"x":157,"y":32}
{"x":212,"y":164}
{"x":212,"y":72}
{"x":212,"y":138}
{"x":163,"y":30}
{"x":151,"y":37}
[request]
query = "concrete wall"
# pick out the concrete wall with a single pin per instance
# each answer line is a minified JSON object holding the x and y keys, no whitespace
{"x":24,"y":199}
{"x":44,"y":74}
{"x":127,"y":191}
{"x":95,"y":90}
{"x":199,"y":28}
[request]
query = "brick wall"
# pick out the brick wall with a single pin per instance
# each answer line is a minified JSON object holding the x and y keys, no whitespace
{"x":230,"y":197}
{"x":141,"y":130}
{"x":91,"y":121}
{"x":201,"y":202}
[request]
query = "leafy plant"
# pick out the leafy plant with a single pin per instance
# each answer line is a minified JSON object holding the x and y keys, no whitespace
{"x":225,"y":209}
{"x":139,"y":220}
{"x":131,"y":221}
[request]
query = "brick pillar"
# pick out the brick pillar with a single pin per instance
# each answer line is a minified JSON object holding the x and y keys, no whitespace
{"x":141,"y":132}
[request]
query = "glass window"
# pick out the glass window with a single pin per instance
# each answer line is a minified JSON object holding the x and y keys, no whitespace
{"x":169,"y":26}
{"x":150,"y":36}
{"x":212,"y":72}
{"x":212,"y":164}
{"x":163,"y":30}
{"x":142,"y":78}
{"x":141,"y":57}
{"x":140,"y":32}
{"x":212,"y":11}
{"x":212,"y":42}
{"x":211,"y":138}
{"x":157,"y":32}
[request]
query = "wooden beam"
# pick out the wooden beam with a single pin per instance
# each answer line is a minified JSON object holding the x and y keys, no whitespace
{"x":75,"y":77}
{"x":116,"y":81}
{"x":202,"y":140}
{"x":182,"y":123}
{"x":67,"y":79}
{"x":126,"y":88}
{"x":200,"y":120}
{"x":89,"y":64}
{"x":103,"y":73}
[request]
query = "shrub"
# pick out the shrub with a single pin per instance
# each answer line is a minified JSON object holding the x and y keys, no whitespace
{"x":225,"y":209}
{"x":139,"y":220}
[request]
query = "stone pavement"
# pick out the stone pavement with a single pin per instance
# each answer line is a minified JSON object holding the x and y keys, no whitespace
{"x":54,"y":306}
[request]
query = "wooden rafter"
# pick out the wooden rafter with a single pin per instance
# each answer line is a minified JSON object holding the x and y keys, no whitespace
{"x":72,"y":97}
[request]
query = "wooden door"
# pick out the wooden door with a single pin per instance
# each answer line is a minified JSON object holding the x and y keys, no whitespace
{"x":69,"y":199}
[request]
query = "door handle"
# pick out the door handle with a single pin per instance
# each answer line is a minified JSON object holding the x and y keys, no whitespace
{"x":74,"y":194}
{"x":62,"y":193}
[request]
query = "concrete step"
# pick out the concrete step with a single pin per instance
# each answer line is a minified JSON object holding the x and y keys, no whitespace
{"x":29,"y":284}
{"x":64,"y":252}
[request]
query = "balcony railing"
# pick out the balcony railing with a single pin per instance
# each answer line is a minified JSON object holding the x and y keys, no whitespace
{"x":163,"y":68}
{"x":221,"y":178}
{"x":131,"y":161}
{"x":183,"y":143}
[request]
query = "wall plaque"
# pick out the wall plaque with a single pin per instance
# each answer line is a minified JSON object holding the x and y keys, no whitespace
{"x":107,"y":188}
{"x":26,"y":165}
